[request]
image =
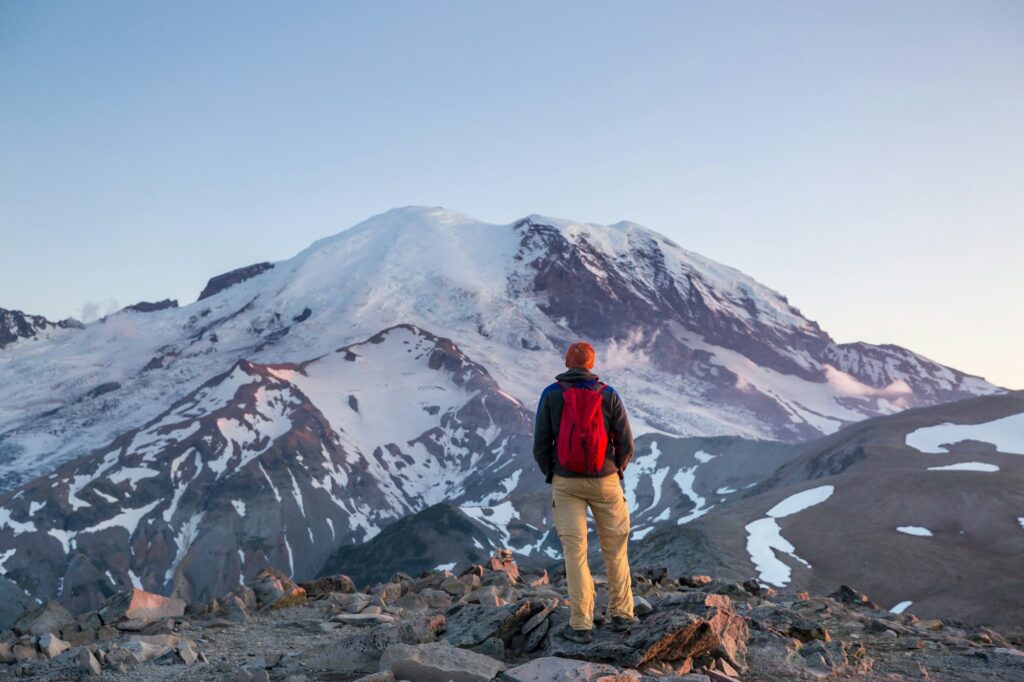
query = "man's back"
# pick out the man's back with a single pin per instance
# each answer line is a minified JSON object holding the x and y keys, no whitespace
{"x":549,"y":418}
{"x":579,"y":483}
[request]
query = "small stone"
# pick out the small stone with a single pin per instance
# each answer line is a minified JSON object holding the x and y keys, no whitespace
{"x":260,"y":676}
{"x":6,"y":653}
{"x":641,"y":607}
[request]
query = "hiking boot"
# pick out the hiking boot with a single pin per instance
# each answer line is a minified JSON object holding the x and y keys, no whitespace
{"x":620,"y":623}
{"x":579,"y":636}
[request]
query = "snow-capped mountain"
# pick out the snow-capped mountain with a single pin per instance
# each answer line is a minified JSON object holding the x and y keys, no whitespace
{"x":303,"y":405}
{"x":696,"y":347}
{"x":924,"y":510}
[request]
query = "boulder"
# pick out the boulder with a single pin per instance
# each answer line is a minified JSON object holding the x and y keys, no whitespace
{"x":488,"y":595}
{"x":232,"y":608}
{"x":439,"y":662}
{"x":14,"y":603}
{"x":848,"y":595}
{"x":321,"y":587}
{"x":275,"y":590}
{"x":87,"y":662}
{"x":24,"y":652}
{"x":6,"y":653}
{"x":435,"y":599}
{"x":145,"y":651}
{"x":470,"y":624}
{"x":787,"y":623}
{"x":48,"y":617}
{"x":52,"y":645}
{"x":552,"y":669}
{"x":138,"y":607}
{"x":360,"y":651}
{"x":689,"y":625}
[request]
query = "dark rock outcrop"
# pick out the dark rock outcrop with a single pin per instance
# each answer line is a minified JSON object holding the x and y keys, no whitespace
{"x":229,"y":279}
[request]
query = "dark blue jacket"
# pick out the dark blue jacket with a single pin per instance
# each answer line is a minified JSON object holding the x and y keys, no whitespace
{"x":549,"y":416}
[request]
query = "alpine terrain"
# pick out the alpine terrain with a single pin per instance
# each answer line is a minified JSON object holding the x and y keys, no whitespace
{"x":389,"y":373}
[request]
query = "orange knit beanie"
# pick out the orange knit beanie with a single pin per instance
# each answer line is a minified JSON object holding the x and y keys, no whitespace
{"x":580,"y":354}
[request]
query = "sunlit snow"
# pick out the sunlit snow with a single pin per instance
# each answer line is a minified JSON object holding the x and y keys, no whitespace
{"x":1006,"y":434}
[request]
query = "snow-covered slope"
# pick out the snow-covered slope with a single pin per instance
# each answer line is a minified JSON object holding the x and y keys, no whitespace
{"x":696,"y":347}
{"x":272,"y":464}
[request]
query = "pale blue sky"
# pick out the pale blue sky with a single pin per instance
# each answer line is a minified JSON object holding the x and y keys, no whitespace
{"x":864,"y":158}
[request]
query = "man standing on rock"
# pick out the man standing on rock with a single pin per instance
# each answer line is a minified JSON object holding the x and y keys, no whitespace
{"x":582,"y":443}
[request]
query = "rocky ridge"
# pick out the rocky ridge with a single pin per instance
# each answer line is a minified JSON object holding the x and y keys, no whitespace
{"x":494,"y":622}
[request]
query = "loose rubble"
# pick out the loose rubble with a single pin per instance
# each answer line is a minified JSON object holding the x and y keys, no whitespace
{"x":495,"y":622}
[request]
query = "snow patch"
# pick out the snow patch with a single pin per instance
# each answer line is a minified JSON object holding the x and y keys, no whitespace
{"x":3,"y":559}
{"x":901,"y":607}
{"x":915,"y":530}
{"x":18,"y":527}
{"x":685,"y":479}
{"x":1006,"y":434}
{"x":239,"y":506}
{"x":445,"y":567}
{"x":764,"y":536}
{"x":967,"y":466}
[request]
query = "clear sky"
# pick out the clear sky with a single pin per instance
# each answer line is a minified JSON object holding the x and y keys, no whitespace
{"x":864,"y":158}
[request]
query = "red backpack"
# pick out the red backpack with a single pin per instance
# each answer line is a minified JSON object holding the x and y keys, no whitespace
{"x":582,"y":439}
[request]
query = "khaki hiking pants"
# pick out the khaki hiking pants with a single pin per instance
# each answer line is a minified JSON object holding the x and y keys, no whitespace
{"x":569,"y":500}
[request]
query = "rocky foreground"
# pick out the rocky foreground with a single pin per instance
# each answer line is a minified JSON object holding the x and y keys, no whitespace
{"x":495,"y":623}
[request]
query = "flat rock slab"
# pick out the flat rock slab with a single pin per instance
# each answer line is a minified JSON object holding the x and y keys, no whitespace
{"x":439,"y":662}
{"x":140,"y":606}
{"x":552,"y":669}
{"x":363,"y":619}
{"x":470,"y":624}
{"x":48,"y":617}
{"x":360,"y":651}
